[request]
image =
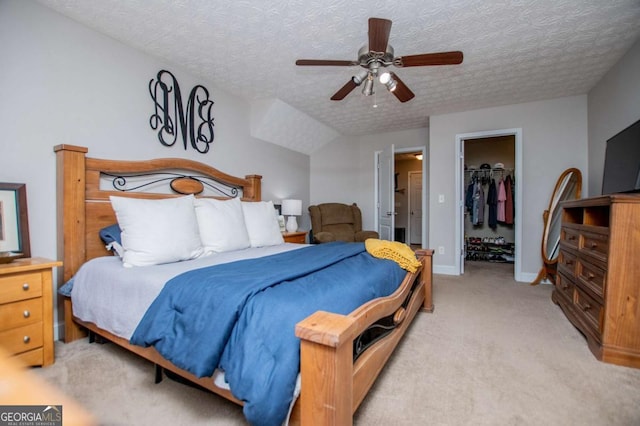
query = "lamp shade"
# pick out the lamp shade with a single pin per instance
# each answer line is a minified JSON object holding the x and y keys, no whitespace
{"x":291,"y":207}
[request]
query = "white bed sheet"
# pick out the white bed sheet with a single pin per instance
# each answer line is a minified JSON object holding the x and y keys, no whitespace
{"x":115,"y":298}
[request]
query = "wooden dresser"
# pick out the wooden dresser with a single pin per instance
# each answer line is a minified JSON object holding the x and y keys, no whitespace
{"x":598,"y":282}
{"x":26,"y":310}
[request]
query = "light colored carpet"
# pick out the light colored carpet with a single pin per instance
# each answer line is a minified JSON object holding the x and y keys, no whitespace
{"x":494,"y":352}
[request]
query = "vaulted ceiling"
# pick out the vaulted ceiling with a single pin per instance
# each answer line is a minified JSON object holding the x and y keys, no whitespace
{"x":514,"y":51}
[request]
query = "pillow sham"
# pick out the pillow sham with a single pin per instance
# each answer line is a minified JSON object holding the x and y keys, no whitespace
{"x":261,"y":219}
{"x":156,"y":231}
{"x":221,"y":224}
{"x":110,"y":236}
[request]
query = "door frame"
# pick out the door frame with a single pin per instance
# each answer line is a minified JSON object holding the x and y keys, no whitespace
{"x":425,"y":188}
{"x":410,"y":173}
{"x":459,"y":233}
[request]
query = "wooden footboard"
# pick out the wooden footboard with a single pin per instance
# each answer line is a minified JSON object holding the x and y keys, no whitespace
{"x":334,"y":380}
{"x":333,"y":385}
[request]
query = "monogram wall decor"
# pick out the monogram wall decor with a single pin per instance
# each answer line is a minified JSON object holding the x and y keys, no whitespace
{"x":170,"y":119}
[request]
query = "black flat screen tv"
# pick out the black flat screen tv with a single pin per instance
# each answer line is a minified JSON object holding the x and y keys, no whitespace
{"x":622,"y":162}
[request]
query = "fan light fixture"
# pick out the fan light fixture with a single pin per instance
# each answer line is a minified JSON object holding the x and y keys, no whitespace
{"x":387,"y":80}
{"x":367,"y":90}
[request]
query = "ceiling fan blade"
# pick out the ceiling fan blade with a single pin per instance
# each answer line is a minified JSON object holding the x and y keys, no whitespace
{"x":402,"y":92}
{"x":426,"y":59}
{"x":344,"y":91}
{"x":325,"y":62}
{"x":379,"y":30}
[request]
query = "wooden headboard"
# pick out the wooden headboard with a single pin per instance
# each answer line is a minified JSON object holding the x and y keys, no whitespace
{"x":83,"y":207}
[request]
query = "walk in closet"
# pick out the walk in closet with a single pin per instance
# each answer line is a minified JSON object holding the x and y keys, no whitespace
{"x":489,"y":195}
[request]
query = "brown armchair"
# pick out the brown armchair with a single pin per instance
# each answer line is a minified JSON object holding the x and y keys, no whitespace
{"x":338,"y":222}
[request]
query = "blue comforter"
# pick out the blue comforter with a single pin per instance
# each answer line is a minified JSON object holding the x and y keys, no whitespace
{"x":241,"y":317}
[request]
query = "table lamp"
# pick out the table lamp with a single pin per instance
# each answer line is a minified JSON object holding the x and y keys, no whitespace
{"x":292,"y":208}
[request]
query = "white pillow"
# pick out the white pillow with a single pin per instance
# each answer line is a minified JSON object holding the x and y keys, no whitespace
{"x":221,"y":224}
{"x":261,"y":219}
{"x":157,"y":231}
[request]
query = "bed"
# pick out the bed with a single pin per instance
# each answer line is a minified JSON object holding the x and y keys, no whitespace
{"x":336,"y":369}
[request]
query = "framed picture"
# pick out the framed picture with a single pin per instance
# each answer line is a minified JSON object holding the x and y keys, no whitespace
{"x":14,"y":220}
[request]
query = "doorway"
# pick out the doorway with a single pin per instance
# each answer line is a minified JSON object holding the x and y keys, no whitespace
{"x":408,"y":196}
{"x":486,"y":158}
{"x":392,"y":195}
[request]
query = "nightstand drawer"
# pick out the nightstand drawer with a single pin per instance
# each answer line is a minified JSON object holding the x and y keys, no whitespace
{"x":20,"y":287}
{"x":21,"y":313}
{"x":22,"y":339}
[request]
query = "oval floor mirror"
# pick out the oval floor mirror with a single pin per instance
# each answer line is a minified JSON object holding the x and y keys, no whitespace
{"x":568,"y":187}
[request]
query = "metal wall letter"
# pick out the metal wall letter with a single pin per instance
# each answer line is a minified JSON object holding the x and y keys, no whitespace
{"x":169,"y":113}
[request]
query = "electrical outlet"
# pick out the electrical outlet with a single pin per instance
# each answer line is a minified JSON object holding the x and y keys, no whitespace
{"x":441,"y":198}
{"x":440,"y":249}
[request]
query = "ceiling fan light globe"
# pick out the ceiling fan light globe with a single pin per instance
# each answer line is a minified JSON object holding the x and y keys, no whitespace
{"x":360,"y":77}
{"x":385,"y":77}
{"x":391,"y":85}
{"x":367,"y":90}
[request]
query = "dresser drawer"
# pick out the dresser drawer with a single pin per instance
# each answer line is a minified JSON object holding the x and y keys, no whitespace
{"x":595,"y":245}
{"x":22,"y":339}
{"x":571,"y":237}
{"x":590,"y":309}
{"x":591,"y":277}
{"x":565,"y":286}
{"x":20,"y":313}
{"x":567,"y":262}
{"x":20,"y":287}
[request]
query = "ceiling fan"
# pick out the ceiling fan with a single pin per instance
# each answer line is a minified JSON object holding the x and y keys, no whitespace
{"x":379,"y":54}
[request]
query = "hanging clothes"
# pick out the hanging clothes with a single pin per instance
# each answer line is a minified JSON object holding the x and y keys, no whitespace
{"x":508,"y":205}
{"x":502,"y":198}
{"x":468,"y":198}
{"x":492,"y":202}
{"x":478,"y":204}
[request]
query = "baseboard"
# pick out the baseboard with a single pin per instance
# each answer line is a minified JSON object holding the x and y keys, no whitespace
{"x":445,"y":270}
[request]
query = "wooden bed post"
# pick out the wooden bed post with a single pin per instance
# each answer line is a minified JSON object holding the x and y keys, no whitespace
{"x":254,"y":194}
{"x":326,"y":368}
{"x":426,"y":275}
{"x":70,"y":187}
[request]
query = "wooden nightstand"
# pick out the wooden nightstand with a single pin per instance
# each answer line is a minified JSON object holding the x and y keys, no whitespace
{"x":298,"y":237}
{"x":26,"y":310}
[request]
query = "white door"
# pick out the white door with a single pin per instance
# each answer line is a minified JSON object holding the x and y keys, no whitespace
{"x":386,"y":188}
{"x":461,"y":206}
{"x":415,"y":208}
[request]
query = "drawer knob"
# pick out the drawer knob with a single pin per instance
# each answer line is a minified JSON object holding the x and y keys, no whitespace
{"x":594,"y":245}
{"x":569,"y":262}
{"x":571,"y":237}
{"x":26,"y":339}
{"x":26,"y":314}
{"x":25,"y":286}
{"x":590,"y":275}
{"x":586,"y":307}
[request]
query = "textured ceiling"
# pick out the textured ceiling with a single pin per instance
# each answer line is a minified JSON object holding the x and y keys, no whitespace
{"x":514,"y":50}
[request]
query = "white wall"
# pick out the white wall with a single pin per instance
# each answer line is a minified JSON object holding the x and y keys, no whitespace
{"x":614,"y":104}
{"x":61,"y":82}
{"x":554,"y":135}
{"x":344,"y":171}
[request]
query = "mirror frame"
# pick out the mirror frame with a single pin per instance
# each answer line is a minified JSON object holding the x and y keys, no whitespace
{"x":549,"y":266}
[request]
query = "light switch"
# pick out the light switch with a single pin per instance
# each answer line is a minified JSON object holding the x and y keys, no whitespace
{"x":441,"y":198}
